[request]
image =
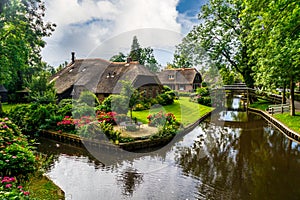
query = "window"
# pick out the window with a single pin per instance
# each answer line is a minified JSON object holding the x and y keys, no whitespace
{"x":181,"y":87}
{"x":171,"y":77}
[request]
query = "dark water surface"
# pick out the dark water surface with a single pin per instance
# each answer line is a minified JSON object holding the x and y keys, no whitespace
{"x":242,"y":158}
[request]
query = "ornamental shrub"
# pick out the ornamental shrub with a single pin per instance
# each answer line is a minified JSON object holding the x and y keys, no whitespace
{"x":109,"y":117}
{"x":16,"y":156}
{"x":160,"y":119}
{"x":9,"y":189}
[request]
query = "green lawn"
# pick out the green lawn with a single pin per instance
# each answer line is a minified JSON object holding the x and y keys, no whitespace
{"x":290,"y":121}
{"x":293,"y":122}
{"x":185,"y":111}
{"x":261,"y":104}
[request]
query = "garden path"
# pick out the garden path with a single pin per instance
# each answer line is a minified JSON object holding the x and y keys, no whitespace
{"x":143,"y":131}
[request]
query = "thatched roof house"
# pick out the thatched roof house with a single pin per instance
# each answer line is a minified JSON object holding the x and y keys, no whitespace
{"x":3,"y":94}
{"x":103,"y":78}
{"x":181,"y":79}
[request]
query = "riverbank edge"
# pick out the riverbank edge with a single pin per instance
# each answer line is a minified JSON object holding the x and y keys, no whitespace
{"x":129,"y":146}
{"x":279,"y":125}
{"x":44,"y":182}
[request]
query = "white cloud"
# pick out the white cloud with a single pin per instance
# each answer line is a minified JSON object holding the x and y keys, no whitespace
{"x":101,"y":28}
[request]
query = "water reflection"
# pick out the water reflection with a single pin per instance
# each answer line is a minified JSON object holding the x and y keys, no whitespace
{"x":242,"y":164}
{"x":239,"y":159}
{"x":129,"y":180}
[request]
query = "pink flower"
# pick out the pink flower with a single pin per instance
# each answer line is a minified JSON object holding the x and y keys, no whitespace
{"x":14,"y":156}
{"x":26,"y":193}
{"x":8,"y":185}
{"x":20,"y":187}
{"x":12,"y":179}
{"x":6,"y":119}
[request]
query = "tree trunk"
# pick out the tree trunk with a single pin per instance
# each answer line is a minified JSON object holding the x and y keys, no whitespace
{"x":283,"y":94}
{"x":292,"y":97}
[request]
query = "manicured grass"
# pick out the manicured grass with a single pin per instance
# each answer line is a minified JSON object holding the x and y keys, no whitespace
{"x":293,"y":122}
{"x":40,"y":187}
{"x":261,"y":104}
{"x":290,"y":121}
{"x":185,"y":111}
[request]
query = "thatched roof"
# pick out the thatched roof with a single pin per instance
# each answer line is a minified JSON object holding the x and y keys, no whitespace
{"x":178,"y":76}
{"x":101,"y":76}
{"x":2,"y":89}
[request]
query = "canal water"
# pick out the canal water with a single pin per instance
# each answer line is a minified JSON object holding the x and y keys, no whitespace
{"x":232,"y":155}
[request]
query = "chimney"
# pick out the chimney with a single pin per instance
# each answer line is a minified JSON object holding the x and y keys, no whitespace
{"x":129,"y":59}
{"x":73,"y":57}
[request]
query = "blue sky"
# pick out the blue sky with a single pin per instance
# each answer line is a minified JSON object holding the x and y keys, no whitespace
{"x":102,"y":28}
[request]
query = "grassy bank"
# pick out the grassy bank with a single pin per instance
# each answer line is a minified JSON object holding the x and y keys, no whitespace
{"x":185,"y":111}
{"x":40,"y":187}
{"x":290,"y":121}
{"x":261,"y":104}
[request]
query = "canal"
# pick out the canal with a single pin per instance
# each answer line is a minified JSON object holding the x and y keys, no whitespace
{"x":231,"y":155}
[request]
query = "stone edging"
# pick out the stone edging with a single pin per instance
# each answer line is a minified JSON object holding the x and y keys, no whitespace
{"x":130,"y":146}
{"x":279,"y":125}
{"x":148,"y":143}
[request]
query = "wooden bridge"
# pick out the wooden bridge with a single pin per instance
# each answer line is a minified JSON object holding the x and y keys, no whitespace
{"x":241,"y":88}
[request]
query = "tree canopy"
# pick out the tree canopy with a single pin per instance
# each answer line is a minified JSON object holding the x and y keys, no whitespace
{"x":22,"y":29}
{"x":259,"y":39}
{"x":218,"y":39}
{"x":144,"y":56}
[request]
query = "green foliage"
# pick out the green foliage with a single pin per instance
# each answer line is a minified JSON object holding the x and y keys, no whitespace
{"x":32,"y":117}
{"x":41,"y":91}
{"x":119,"y":104}
{"x":10,"y":189}
{"x":106,"y":104}
{"x":219,"y":41}
{"x":65,"y":107}
{"x":275,"y":38}
{"x":135,"y":51}
{"x":202,"y":91}
{"x":203,"y":96}
{"x":89,"y":98}
{"x":118,"y":58}
{"x":22,"y":33}
{"x":16,"y":157}
{"x":82,"y":109}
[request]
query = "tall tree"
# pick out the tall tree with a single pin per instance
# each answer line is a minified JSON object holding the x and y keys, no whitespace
{"x":276,"y":39}
{"x":144,"y":56}
{"x":21,"y":38}
{"x":219,"y":39}
{"x":135,"y":52}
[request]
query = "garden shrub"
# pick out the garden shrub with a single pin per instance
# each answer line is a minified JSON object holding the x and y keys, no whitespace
{"x":89,"y":130}
{"x":16,"y":157}
{"x":106,"y":104}
{"x":83,"y":109}
{"x":160,"y":118}
{"x":31,"y":118}
{"x":166,"y":123}
{"x":108,"y":117}
{"x":65,"y":107}
{"x":202,"y":96}
{"x":10,"y":189}
{"x":89,"y":98}
{"x":67,"y":124}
